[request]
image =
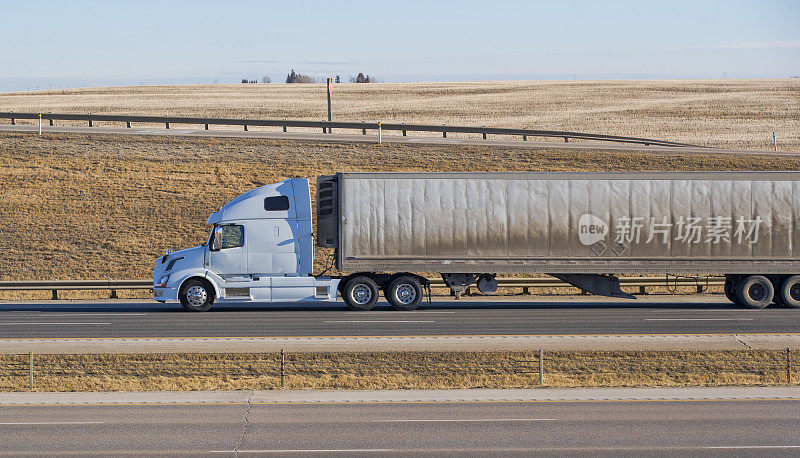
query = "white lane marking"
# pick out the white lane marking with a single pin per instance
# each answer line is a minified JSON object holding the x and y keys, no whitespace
{"x":398,"y":312}
{"x":431,"y":140}
{"x":164,"y":131}
{"x":332,"y":450}
{"x":466,"y":420}
{"x":38,"y":423}
{"x":56,"y":323}
{"x":698,"y":319}
{"x":79,"y":314}
{"x":378,"y":321}
{"x":750,"y":446}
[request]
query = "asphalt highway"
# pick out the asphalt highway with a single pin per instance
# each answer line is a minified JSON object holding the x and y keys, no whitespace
{"x":770,"y":427}
{"x":510,"y":315}
{"x":387,"y":137}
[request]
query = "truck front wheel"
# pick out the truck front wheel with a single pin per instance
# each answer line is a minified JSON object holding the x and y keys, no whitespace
{"x":404,"y":293}
{"x":360,"y":293}
{"x":196,"y":296}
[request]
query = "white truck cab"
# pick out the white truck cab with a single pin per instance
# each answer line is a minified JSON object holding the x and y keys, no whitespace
{"x":260,"y":249}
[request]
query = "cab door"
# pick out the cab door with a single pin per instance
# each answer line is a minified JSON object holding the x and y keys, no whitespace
{"x":227,"y":252}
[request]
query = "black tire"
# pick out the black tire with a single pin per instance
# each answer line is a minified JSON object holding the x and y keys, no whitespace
{"x":755,"y":291}
{"x":360,"y":293}
{"x":404,"y":293}
{"x":730,"y":290}
{"x":789,"y":292}
{"x":196,"y":295}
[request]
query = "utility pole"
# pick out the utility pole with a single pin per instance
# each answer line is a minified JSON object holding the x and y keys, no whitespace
{"x":329,"y":104}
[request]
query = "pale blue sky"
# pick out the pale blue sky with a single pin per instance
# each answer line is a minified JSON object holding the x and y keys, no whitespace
{"x":69,"y":41}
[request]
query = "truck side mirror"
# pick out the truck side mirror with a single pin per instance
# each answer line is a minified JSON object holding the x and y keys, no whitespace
{"x":216,"y":241}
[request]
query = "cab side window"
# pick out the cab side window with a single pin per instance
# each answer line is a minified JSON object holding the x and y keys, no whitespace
{"x":276,"y":203}
{"x":232,"y":236}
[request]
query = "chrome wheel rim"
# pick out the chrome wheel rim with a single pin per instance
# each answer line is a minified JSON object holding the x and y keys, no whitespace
{"x":361,"y":294}
{"x":196,"y":296}
{"x":406,"y":294}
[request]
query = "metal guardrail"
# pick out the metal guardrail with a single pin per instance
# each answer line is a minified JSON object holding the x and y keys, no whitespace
{"x":701,"y":284}
{"x":327,"y":126}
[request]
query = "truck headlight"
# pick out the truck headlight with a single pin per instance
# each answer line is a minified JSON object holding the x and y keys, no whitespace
{"x":162,"y":282}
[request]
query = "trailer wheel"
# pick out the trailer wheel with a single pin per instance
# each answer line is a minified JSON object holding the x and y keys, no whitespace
{"x":789,"y":292}
{"x":360,"y":293}
{"x":730,"y":290}
{"x":196,"y":296}
{"x":404,"y":293}
{"x":755,"y":291}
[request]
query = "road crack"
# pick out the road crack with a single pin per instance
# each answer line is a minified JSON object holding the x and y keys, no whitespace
{"x":736,"y":338}
{"x":246,"y":423}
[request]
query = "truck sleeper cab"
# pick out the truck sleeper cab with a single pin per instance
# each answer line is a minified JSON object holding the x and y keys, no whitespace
{"x":260,"y":250}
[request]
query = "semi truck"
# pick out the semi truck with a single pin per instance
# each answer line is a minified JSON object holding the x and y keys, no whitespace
{"x":386,"y":229}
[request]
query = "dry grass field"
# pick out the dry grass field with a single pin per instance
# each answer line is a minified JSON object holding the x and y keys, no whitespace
{"x":720,"y":113}
{"x":99,"y":206}
{"x":395,"y":370}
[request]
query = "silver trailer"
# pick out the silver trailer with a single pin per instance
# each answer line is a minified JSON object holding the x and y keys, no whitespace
{"x":580,"y":227}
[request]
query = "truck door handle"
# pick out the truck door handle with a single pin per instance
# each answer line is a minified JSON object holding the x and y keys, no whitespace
{"x":276,"y":230}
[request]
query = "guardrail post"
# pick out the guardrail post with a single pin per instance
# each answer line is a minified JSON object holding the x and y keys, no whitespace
{"x":114,"y":294}
{"x":128,"y":124}
{"x":363,"y":131}
{"x":324,"y":130}
{"x":12,"y":122}
{"x":642,"y":290}
{"x":788,"y":366}
{"x":51,"y":122}
{"x":206,"y":126}
{"x":566,"y":139}
{"x":284,"y":128}
{"x":404,"y":132}
{"x":282,"y":364}
{"x":245,"y":127}
{"x":90,"y":123}
{"x":30,"y":370}
{"x":526,"y":290}
{"x":541,"y":367}
{"x":167,"y":124}
{"x":524,"y":138}
{"x":444,"y":134}
{"x":55,"y":294}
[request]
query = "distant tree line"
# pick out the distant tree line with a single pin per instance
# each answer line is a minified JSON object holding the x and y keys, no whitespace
{"x":264,"y":79}
{"x":298,"y":78}
{"x":294,"y":77}
{"x":361,"y":78}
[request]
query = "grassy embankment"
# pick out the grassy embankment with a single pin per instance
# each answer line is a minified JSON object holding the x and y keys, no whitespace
{"x":425,"y":370}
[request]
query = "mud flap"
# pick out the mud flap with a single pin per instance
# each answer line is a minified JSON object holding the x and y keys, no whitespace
{"x":602,"y":285}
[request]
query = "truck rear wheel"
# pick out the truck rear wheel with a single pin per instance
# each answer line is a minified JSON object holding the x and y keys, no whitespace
{"x":789,"y":292}
{"x":196,"y":296}
{"x":755,"y":291}
{"x":360,"y":293}
{"x":404,"y":293}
